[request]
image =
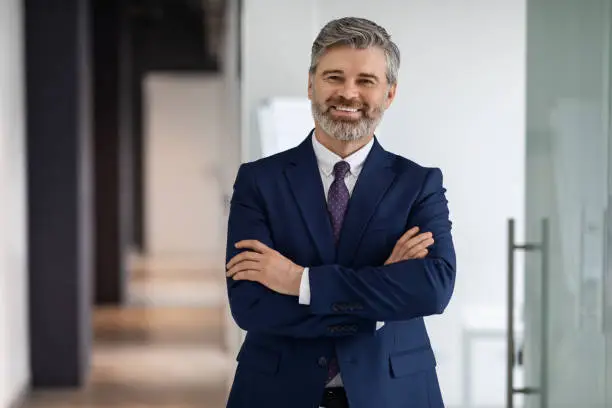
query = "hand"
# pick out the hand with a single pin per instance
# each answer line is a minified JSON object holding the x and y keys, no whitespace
{"x":411,"y":246}
{"x":266,"y":266}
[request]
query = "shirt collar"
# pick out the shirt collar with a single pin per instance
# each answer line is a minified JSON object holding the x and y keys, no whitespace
{"x":326,"y":159}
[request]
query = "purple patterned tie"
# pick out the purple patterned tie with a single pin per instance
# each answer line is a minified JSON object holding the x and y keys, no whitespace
{"x":337,"y":202}
{"x":338,"y":197}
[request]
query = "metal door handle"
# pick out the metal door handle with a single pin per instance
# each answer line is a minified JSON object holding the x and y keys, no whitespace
{"x":606,"y":280}
{"x":511,"y":390}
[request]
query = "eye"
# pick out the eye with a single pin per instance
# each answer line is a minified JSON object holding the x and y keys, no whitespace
{"x":334,"y":78}
{"x":367,"y":82}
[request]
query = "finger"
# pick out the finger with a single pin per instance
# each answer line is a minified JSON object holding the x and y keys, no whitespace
{"x":408,"y":234}
{"x":243,"y":266}
{"x":412,"y":248}
{"x":249,"y":275}
{"x":404,"y":244}
{"x":421,"y":254}
{"x":243,"y":256}
{"x":422,"y":237}
{"x":416,"y":241}
{"x":398,"y":248}
{"x":253,"y":245}
{"x":412,"y":252}
{"x":423,"y":245}
{"x":394,"y":255}
{"x":237,"y":259}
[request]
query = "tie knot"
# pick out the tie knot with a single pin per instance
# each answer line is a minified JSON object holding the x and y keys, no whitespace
{"x":340,"y":169}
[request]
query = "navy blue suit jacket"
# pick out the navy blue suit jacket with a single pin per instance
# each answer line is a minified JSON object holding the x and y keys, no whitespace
{"x":282,"y":363}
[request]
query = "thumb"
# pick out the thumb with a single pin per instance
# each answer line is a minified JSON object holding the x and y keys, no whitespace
{"x":390,"y":260}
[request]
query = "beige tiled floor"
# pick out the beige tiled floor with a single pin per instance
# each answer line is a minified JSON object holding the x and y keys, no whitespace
{"x":155,"y":356}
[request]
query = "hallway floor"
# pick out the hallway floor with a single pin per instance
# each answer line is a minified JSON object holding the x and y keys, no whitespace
{"x":156,"y":355}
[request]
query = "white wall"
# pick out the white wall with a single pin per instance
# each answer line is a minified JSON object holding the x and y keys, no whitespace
{"x":185,"y":131}
{"x":460,"y":107}
{"x":14,"y":342}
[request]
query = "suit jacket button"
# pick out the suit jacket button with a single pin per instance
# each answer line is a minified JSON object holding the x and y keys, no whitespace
{"x":322,"y":362}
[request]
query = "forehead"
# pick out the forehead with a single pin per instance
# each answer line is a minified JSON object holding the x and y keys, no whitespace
{"x":353,"y":61}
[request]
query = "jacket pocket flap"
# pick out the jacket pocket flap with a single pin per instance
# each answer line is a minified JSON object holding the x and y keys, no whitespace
{"x":259,"y":358}
{"x":411,"y":361}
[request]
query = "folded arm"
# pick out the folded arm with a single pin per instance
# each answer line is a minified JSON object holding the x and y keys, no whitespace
{"x":399,"y":291}
{"x":255,"y":307}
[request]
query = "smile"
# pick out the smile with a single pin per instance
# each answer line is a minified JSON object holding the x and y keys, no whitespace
{"x":345,"y":109}
{"x":346,"y":113}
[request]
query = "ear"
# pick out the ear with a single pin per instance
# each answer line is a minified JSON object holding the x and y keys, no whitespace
{"x":310,"y":85}
{"x":391,"y":94}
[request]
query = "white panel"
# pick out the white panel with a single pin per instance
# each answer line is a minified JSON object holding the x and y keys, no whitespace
{"x":487,"y":353}
{"x":184,"y":130}
{"x":283,"y":123}
{"x":14,"y":342}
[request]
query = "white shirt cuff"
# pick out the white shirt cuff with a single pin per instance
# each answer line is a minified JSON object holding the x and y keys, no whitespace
{"x":305,"y":288}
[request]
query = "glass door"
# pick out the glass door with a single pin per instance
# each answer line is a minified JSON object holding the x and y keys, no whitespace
{"x":563,"y":352}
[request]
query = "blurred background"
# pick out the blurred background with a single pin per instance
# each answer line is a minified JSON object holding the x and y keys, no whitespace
{"x":123,"y":123}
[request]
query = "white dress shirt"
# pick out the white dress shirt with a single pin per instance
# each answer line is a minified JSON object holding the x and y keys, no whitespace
{"x":326,"y":159}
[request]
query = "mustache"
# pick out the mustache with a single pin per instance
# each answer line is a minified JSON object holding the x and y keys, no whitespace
{"x":351,"y":103}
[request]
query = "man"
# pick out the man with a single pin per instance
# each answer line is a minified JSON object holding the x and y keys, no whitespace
{"x":331,"y":259}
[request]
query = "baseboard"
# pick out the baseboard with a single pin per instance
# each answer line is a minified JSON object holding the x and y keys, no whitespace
{"x":20,"y":399}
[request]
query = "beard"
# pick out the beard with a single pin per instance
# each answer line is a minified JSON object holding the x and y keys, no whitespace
{"x":347,"y":130}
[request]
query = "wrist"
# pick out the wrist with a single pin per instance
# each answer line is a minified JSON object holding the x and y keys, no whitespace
{"x":298,"y":271}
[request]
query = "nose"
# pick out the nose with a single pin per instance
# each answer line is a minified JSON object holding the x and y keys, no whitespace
{"x":349,"y":90}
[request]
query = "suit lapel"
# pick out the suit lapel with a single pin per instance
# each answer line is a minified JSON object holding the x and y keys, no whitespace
{"x":305,"y":183}
{"x":374,"y":180}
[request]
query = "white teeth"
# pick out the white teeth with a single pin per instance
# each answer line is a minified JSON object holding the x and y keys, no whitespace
{"x":346,"y":109}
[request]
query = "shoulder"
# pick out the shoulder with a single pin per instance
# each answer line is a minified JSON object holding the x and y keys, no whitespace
{"x":265,"y":168}
{"x":428,"y":181}
{"x":270,"y":163}
{"x":405,"y":167}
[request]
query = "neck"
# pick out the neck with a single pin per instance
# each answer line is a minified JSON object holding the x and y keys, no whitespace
{"x":340,"y":147}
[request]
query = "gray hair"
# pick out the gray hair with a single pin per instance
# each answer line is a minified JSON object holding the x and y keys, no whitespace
{"x":357,"y":33}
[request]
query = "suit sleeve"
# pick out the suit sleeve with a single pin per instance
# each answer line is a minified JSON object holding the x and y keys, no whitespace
{"x":256,"y":308}
{"x":400,"y":291}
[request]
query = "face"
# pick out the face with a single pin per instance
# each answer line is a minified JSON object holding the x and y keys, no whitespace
{"x":349,"y":92}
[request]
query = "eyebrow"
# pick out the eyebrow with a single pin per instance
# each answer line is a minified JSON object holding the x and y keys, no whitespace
{"x":371,"y":76}
{"x":331,"y":71}
{"x":338,"y":71}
